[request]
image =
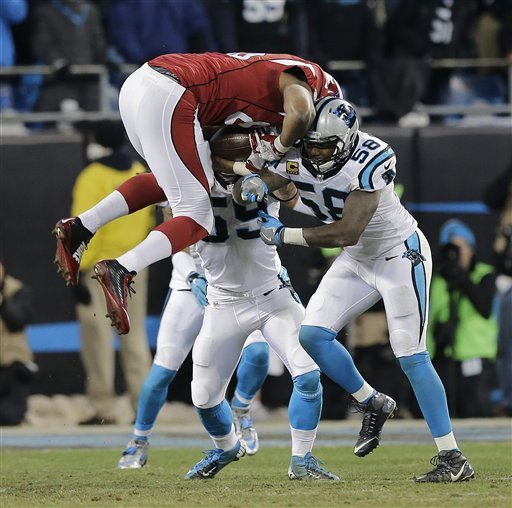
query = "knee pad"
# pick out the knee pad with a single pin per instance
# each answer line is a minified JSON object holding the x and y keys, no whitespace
{"x":170,"y":356}
{"x":312,"y":337}
{"x":205,"y":394}
{"x":256,"y":354}
{"x":308,"y":385}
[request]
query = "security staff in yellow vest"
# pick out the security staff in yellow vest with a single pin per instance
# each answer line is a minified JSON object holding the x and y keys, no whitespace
{"x":111,"y":164}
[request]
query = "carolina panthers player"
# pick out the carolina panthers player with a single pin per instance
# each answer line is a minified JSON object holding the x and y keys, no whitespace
{"x":181,"y":322}
{"x":345,"y":176}
{"x":246,"y":294}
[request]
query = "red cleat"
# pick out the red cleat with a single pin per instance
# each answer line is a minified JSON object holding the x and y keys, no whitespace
{"x":72,"y":240}
{"x":115,"y":280}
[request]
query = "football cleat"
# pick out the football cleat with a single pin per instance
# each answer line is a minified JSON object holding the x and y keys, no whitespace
{"x":450,"y":466}
{"x":245,"y":430}
{"x":309,"y":468}
{"x":214,"y":461}
{"x":115,"y":280}
{"x":376,"y":412}
{"x":72,"y":240}
{"x":135,"y":456}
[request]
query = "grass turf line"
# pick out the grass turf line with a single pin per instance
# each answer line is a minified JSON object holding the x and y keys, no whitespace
{"x":88,"y":477}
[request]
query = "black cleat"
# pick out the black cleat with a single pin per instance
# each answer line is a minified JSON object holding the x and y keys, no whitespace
{"x":450,"y":466}
{"x":115,"y":280}
{"x":376,"y":412}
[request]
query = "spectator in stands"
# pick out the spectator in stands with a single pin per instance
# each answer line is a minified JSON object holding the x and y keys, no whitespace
{"x":111,"y":164}
{"x":68,"y":32}
{"x":498,"y":196}
{"x":11,"y":12}
{"x":462,"y":331}
{"x":418,"y":32}
{"x":142,"y":30}
{"x":16,"y":361}
{"x":331,"y":41}
{"x":263,"y":26}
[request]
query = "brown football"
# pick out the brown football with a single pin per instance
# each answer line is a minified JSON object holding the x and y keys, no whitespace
{"x":231,"y":143}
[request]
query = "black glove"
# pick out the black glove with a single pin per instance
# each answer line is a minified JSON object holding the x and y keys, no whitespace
{"x":81,"y":293}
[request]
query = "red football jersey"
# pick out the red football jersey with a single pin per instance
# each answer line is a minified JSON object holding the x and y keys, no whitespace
{"x":242,"y":88}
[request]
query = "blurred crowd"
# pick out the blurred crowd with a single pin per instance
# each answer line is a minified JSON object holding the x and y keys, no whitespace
{"x":396,"y":39}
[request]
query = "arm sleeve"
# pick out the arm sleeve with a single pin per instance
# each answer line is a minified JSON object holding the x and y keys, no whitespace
{"x":480,"y":295}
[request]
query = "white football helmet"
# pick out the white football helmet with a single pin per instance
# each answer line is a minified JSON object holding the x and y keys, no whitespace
{"x":335,"y":121}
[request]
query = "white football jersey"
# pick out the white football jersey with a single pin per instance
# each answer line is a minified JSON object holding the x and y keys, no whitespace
{"x":234,"y":258}
{"x":371,"y":167}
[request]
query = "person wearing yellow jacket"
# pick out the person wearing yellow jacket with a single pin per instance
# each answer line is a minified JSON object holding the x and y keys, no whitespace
{"x":462,"y":331}
{"x":111,"y":164}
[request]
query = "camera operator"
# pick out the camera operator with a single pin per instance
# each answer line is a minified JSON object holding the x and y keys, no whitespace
{"x":462,"y":330}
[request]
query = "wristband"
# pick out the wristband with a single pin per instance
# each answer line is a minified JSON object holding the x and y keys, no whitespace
{"x":279,"y":146}
{"x":239,"y":168}
{"x":294,"y":236}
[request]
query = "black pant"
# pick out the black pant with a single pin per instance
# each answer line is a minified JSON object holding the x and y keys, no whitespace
{"x":15,"y":387}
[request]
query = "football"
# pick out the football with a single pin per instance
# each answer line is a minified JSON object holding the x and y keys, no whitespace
{"x":231,"y":143}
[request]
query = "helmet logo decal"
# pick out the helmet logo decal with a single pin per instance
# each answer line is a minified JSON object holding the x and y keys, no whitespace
{"x":346,"y":114}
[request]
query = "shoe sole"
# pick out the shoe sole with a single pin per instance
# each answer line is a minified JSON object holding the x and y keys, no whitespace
{"x":62,"y":256}
{"x":117,"y":313}
{"x":363,"y":452}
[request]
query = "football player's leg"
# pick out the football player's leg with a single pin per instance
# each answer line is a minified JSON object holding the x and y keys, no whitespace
{"x":251,"y":373}
{"x":305,"y":407}
{"x":179,"y":326}
{"x":404,"y":283}
{"x":341,"y":296}
{"x":252,"y":370}
{"x":215,"y":355}
{"x":141,"y":190}
{"x":179,"y":157}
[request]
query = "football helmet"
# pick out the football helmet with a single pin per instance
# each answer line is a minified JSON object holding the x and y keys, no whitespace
{"x":335,"y":122}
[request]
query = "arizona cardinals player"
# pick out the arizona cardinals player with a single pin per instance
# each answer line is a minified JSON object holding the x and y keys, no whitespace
{"x":164,"y":105}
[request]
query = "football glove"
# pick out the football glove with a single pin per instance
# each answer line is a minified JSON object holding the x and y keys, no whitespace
{"x":253,"y":189}
{"x":271,"y":229}
{"x":264,"y":149}
{"x":198,"y":286}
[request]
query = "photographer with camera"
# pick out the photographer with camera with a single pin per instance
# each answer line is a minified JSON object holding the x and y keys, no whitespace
{"x":462,"y":330}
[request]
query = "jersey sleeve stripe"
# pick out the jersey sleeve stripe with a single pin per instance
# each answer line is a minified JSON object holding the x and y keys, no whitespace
{"x":366,"y":174}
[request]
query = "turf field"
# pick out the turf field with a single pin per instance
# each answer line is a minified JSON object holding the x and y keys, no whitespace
{"x":88,"y":477}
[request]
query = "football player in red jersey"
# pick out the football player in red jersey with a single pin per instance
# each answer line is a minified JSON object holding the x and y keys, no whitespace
{"x":164,"y":105}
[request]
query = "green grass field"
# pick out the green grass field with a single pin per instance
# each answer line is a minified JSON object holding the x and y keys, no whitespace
{"x":88,"y":477}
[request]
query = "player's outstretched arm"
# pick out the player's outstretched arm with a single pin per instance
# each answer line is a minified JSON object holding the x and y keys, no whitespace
{"x":359,"y":209}
{"x":271,"y":181}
